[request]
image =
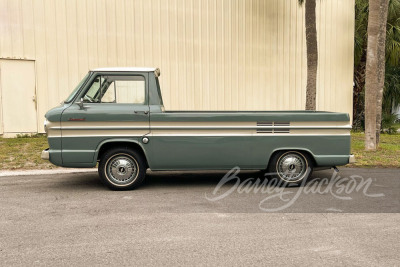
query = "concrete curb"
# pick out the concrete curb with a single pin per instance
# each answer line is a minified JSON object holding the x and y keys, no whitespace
{"x":45,"y":172}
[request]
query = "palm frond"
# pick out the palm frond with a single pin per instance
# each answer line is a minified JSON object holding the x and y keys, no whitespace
{"x":391,"y":93}
{"x":393,"y":34}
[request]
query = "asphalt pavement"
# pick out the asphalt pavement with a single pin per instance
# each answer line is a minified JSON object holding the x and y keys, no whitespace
{"x":202,"y":218}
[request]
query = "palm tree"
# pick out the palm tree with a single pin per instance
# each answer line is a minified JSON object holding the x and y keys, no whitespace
{"x":391,"y":93}
{"x":393,"y":34}
{"x":375,"y":71}
{"x":312,"y":53}
{"x":360,"y":52}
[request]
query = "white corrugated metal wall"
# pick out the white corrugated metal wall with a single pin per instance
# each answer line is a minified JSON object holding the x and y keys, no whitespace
{"x":213,"y":54}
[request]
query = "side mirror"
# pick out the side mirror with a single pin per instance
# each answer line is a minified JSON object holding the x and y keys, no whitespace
{"x":80,"y":103}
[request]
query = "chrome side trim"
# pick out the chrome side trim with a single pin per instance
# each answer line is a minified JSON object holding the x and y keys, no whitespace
{"x":224,"y":128}
{"x":258,"y":134}
{"x":276,"y":127}
{"x":244,"y":127}
{"x":196,"y":127}
{"x":101,"y":128}
{"x":198,"y":135}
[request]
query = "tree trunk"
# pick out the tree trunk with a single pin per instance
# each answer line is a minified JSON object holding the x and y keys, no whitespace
{"x":381,"y":65}
{"x":375,"y":70}
{"x":312,"y":54}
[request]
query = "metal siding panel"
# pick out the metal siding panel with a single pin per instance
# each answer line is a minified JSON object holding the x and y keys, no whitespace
{"x":147,"y":33}
{"x":28,"y":29}
{"x":129,"y":30}
{"x":330,"y":54}
{"x":121,"y":33}
{"x":19,"y":109}
{"x":203,"y":57}
{"x":286,"y":58}
{"x":51,"y":51}
{"x":62,"y":52}
{"x":189,"y":57}
{"x":165,"y":39}
{"x":72,"y":44}
{"x":181,"y":54}
{"x":322,"y":59}
{"x":41,"y":62}
{"x":102,"y":33}
{"x":5,"y":30}
{"x":224,"y":55}
{"x":274,"y":54}
{"x":138,"y":33}
{"x":299,"y":58}
{"x":280,"y":55}
{"x":82,"y":38}
{"x":292,"y":56}
{"x":173,"y":50}
{"x":242,"y":86}
{"x":16,"y":28}
{"x":246,"y":89}
{"x":197,"y":54}
{"x":111,"y":34}
{"x":156,"y":30}
{"x":230,"y":54}
{"x":212,"y":55}
{"x":92,"y":34}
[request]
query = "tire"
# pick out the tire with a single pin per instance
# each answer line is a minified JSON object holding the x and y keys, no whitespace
{"x":122,"y":168}
{"x":291,"y":167}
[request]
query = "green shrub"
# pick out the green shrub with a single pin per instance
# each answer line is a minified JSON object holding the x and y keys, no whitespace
{"x":389,"y":124}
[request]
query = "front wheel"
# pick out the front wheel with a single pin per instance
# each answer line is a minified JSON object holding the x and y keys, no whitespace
{"x":122,"y":169}
{"x":291,"y":167}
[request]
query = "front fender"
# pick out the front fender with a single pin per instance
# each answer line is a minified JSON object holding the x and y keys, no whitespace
{"x":135,"y":141}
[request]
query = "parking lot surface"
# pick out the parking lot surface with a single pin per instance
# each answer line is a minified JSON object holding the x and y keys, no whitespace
{"x":193,"y":218}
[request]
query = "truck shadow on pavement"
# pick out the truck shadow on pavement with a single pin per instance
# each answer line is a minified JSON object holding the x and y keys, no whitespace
{"x":212,"y":178}
{"x":325,"y":191}
{"x":154,"y":180}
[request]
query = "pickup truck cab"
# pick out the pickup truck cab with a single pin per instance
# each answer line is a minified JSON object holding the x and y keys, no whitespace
{"x":115,"y":118}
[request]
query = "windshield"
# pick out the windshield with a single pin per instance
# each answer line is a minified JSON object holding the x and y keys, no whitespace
{"x":72,"y":95}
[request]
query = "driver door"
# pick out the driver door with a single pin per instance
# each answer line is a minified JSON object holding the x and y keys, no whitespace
{"x":112,"y":106}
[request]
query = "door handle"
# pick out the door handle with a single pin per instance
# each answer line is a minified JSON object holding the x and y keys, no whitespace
{"x":144,"y":112}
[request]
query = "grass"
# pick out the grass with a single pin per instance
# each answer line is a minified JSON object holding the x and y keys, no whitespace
{"x":387,"y":155}
{"x":24,"y":152}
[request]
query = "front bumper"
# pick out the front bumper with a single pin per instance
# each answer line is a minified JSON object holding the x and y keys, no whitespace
{"x":45,"y":154}
{"x":352,"y":159}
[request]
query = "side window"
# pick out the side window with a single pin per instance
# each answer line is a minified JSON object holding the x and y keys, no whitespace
{"x":93,"y":94}
{"x":117,"y":89}
{"x":130,"y":91}
{"x":109,"y":94}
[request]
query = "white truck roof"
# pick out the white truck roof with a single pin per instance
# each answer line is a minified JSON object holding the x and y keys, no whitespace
{"x":127,"y":69}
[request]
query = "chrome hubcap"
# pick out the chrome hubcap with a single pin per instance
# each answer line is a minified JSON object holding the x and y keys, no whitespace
{"x":122,"y":169}
{"x":291,"y":167}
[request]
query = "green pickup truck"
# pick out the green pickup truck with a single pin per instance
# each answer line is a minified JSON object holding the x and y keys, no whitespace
{"x":115,"y":118}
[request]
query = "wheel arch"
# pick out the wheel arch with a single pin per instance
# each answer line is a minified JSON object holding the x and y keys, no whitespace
{"x":112,"y":143}
{"x":286,"y":149}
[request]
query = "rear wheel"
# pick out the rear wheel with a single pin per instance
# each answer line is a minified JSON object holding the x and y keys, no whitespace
{"x":122,"y":168}
{"x":291,"y":167}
